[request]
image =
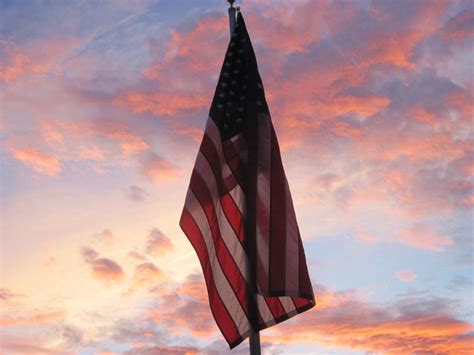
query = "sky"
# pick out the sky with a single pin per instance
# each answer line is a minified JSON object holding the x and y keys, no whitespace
{"x":103,"y":106}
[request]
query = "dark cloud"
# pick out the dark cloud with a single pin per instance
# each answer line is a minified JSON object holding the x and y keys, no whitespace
{"x":136,"y":194}
{"x":103,"y":269}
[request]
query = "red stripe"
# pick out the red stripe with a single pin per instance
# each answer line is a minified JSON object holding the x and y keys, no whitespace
{"x":229,"y":267}
{"x":219,"y":311}
{"x":275,"y":306}
{"x":278,"y":217}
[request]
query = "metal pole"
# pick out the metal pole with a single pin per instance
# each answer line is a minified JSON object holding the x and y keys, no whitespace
{"x":254,"y":336}
{"x":231,"y":16}
{"x":254,"y":343}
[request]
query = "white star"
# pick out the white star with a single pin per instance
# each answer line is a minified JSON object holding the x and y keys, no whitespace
{"x":241,"y":109}
{"x":222,"y":95}
{"x":241,"y":51}
{"x":219,"y":106}
{"x":227,"y":64}
{"x":225,"y":73}
{"x":223,"y":84}
{"x":230,"y":54}
{"x":235,"y":71}
{"x":259,"y":103}
{"x":242,"y":97}
{"x":231,"y":93}
{"x":259,"y":85}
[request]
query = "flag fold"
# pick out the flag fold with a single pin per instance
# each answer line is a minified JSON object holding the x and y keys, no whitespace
{"x":238,"y":213}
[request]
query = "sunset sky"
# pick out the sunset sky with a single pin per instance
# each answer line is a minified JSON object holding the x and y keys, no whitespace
{"x":103,"y":107}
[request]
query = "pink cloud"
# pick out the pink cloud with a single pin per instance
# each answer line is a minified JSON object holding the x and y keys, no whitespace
{"x":7,"y":295}
{"x":343,"y":319}
{"x":460,"y":27}
{"x":30,"y":320}
{"x":186,"y":307}
{"x":422,"y":237}
{"x":38,"y":161}
{"x":161,"y":103}
{"x":406,"y":275}
{"x":157,"y":169}
{"x":106,"y":236}
{"x":36,"y":58}
{"x":146,"y":275}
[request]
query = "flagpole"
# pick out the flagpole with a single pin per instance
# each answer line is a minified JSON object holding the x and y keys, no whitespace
{"x":254,"y":336}
{"x":231,"y":12}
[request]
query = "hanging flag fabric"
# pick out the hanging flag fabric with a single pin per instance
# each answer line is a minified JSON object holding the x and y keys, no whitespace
{"x":238,"y":213}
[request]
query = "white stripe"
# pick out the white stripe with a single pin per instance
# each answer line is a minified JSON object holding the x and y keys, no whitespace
{"x":288,"y":306}
{"x":203,"y":168}
{"x":265,"y":312}
{"x":292,"y":245}
{"x":222,"y":285}
{"x":239,"y":199}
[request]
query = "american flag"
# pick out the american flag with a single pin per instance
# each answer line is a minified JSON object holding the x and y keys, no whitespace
{"x":238,"y":213}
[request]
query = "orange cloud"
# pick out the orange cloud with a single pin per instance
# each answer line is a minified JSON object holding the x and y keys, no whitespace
{"x":36,"y":160}
{"x":157,"y":243}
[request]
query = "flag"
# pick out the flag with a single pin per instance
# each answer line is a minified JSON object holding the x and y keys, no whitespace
{"x":238,"y":213}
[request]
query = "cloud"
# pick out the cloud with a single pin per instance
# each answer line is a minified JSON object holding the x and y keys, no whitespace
{"x":136,"y":194}
{"x":106,"y":237}
{"x":163,"y":349}
{"x":412,"y":324}
{"x":422,"y":237}
{"x":158,"y":169}
{"x":157,"y":243}
{"x":31,"y":320}
{"x":38,"y":161}
{"x":185,"y":308}
{"x":103,"y":269}
{"x":405,"y":275}
{"x":459,"y":27}
{"x":7,"y":295}
{"x":147,"y":275}
{"x":161,"y":103}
